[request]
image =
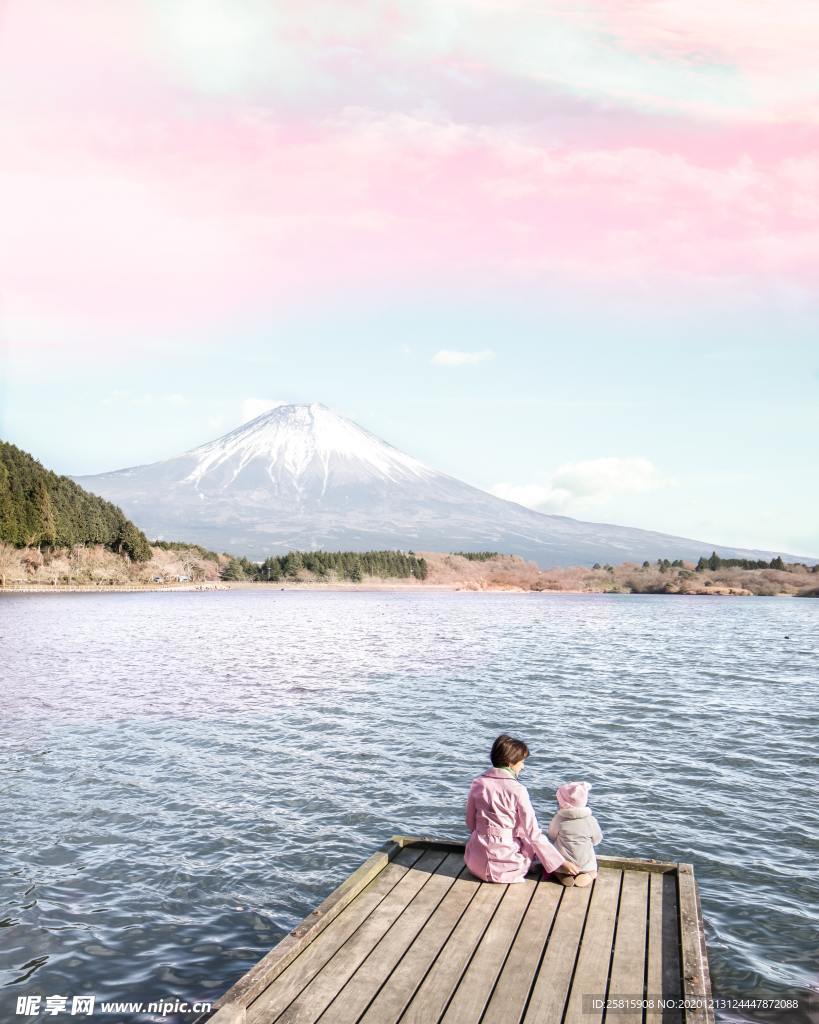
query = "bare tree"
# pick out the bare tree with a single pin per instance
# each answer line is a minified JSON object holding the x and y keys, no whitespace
{"x":11,"y":569}
{"x":50,"y":572}
{"x":191,"y":566}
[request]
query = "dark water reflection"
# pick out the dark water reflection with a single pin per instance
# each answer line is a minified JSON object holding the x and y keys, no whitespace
{"x":185,"y":776}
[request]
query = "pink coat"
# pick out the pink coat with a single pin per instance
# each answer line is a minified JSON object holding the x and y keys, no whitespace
{"x":506,"y":837}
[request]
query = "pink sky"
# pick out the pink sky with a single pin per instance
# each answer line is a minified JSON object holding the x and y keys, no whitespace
{"x":174,"y":162}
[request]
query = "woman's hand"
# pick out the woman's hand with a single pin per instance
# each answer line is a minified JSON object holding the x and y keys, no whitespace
{"x":568,"y":867}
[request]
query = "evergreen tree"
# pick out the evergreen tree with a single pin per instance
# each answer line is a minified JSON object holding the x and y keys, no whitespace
{"x":132,"y":542}
{"x":293,"y":564}
{"x":233,"y":570}
{"x":45,"y":522}
{"x":270,"y":570}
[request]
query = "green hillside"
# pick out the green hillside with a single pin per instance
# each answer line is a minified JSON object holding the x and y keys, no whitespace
{"x":38,"y":508}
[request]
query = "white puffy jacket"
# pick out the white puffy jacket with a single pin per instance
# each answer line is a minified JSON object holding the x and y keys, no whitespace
{"x":575,"y":833}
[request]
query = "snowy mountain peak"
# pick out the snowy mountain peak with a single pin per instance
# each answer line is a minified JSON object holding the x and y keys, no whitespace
{"x":301,"y":443}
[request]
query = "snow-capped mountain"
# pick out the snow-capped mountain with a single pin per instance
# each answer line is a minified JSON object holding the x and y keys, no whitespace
{"x":300,"y":451}
{"x":302,"y":477}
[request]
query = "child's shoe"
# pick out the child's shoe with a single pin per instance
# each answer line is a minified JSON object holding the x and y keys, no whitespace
{"x":567,"y":879}
{"x":582,"y":880}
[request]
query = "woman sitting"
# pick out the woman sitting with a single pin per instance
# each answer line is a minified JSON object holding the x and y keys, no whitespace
{"x":506,"y":837}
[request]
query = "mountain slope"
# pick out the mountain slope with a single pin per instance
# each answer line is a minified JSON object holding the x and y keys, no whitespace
{"x":302,"y":477}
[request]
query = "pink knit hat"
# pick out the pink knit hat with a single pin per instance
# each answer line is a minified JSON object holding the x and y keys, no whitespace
{"x":573,"y":794}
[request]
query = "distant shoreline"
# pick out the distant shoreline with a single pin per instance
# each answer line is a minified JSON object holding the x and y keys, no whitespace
{"x":344,"y":588}
{"x":172,"y":588}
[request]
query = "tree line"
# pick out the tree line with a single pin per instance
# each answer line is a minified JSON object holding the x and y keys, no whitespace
{"x":347,"y":565}
{"x":185,"y":547}
{"x":38,"y":508}
{"x":477,"y":556}
{"x":717,"y":562}
{"x":714,"y":562}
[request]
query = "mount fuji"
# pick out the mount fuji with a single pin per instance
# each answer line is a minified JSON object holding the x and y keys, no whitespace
{"x":303,"y":477}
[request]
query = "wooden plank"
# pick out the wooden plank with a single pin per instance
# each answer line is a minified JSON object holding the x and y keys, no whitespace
{"x":288,"y":984}
{"x":273,"y":963}
{"x":696,"y":979}
{"x":472,"y":994}
{"x":402,"y":984}
{"x":664,"y":977}
{"x":232,"y":1013}
{"x":637,"y":864}
{"x":437,"y":988}
{"x":623,"y":863}
{"x":319,"y":993}
{"x":706,"y":968}
{"x":520,"y":970}
{"x":591,"y":973}
{"x":629,"y":959}
{"x":551,"y":990}
{"x":453,"y":844}
{"x":366,"y":983}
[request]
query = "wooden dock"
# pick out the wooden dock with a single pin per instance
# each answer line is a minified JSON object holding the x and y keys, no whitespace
{"x":413,"y":937}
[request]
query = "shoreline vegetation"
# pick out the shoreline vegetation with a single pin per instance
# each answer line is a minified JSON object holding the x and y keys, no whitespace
{"x":176,"y":566}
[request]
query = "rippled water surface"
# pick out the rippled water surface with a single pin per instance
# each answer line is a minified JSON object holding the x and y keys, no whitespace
{"x":185,"y":776}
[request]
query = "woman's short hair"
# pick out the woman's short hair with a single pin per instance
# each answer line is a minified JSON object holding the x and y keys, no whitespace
{"x":506,"y":751}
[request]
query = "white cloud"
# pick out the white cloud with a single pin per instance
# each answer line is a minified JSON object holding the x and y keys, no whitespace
{"x":449,"y":357}
{"x":593,"y":482}
{"x":253,"y":407}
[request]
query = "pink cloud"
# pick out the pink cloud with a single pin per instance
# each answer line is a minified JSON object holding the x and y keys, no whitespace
{"x":211,"y":216}
{"x":130,"y":198}
{"x":757,"y":38}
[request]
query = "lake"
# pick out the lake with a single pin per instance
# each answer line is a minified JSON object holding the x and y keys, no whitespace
{"x":186,"y":775}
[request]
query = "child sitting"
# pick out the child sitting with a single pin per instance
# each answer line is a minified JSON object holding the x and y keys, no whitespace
{"x":575,"y":832}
